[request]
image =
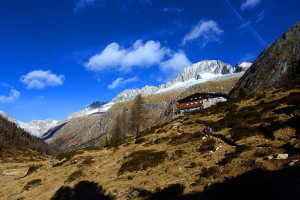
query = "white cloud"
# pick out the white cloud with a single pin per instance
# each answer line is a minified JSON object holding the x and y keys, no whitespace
{"x":120,"y":82}
{"x":176,"y":10}
{"x":40,"y":79}
{"x":249,"y":4}
{"x":13,"y":95}
{"x":207,"y":30}
{"x":175,"y":65}
{"x":6,"y":85}
{"x":122,"y":59}
{"x":81,"y":4}
{"x":249,"y":57}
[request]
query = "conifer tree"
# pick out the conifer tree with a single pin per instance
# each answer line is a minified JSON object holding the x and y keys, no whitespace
{"x":137,"y":115}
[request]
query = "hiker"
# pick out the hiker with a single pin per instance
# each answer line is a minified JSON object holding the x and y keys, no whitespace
{"x":204,"y":130}
{"x":208,"y":129}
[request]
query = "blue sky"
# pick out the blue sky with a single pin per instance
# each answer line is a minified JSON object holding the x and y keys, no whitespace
{"x":57,"y":56}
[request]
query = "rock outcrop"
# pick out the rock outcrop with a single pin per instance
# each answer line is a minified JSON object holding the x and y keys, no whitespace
{"x":276,"y":66}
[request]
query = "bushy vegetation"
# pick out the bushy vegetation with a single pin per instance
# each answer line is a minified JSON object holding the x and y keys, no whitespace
{"x":87,"y":161}
{"x":243,"y":131}
{"x":208,"y":145}
{"x":75,"y":175}
{"x":139,"y":141}
{"x":179,"y":153}
{"x":67,"y":156}
{"x":209,"y":172}
{"x":32,"y":183}
{"x":142,"y":160}
{"x":12,"y":136}
{"x":33,"y":169}
{"x":92,"y":148}
{"x":230,"y":156}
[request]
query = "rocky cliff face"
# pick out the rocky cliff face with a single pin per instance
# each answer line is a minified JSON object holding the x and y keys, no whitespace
{"x":196,"y":71}
{"x":275,"y":67}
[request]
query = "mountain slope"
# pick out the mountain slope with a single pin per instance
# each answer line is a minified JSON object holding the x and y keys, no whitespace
{"x":13,"y":137}
{"x":276,"y":66}
{"x":176,"y":153}
{"x":93,"y":129}
{"x":34,"y":127}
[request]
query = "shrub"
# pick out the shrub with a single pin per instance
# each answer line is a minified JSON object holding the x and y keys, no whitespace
{"x":87,"y":161}
{"x":179,"y":139}
{"x":32,"y":183}
{"x":92,"y":148}
{"x":262,"y":152}
{"x":193,"y":165}
{"x":139,"y":140}
{"x":242,"y":93}
{"x":230,"y":156}
{"x":161,"y":131}
{"x":260,"y":96}
{"x":180,"y":153}
{"x":208,"y":172}
{"x":243,"y":131}
{"x":33,"y":169}
{"x":208,"y":145}
{"x":67,"y":156}
{"x":141,"y":160}
{"x":75,"y":175}
{"x":188,"y":123}
{"x":197,"y":134}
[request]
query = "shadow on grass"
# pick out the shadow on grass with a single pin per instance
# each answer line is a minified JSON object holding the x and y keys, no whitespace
{"x":255,"y":184}
{"x":83,"y":190}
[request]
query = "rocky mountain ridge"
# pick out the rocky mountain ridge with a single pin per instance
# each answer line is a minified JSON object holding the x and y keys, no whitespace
{"x":35,"y":127}
{"x":92,"y":108}
{"x":275,"y":67}
{"x":199,"y":72}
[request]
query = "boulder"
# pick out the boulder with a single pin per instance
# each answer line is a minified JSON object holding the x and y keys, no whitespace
{"x":57,"y":161}
{"x":282,"y":156}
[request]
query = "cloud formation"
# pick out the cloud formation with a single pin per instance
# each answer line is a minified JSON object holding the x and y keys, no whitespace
{"x":6,"y":85}
{"x":120,"y":82}
{"x":40,"y":79}
{"x":175,"y":65}
{"x":175,"y":10}
{"x":249,"y":4}
{"x":13,"y":95}
{"x":114,"y":57}
{"x":81,"y":4}
{"x":206,"y":30}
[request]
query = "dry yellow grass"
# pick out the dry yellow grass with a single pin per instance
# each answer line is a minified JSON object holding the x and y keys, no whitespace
{"x":175,"y":169}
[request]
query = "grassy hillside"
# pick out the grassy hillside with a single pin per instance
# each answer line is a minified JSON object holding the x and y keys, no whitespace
{"x":175,"y":160}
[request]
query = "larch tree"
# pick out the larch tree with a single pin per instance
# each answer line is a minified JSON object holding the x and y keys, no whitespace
{"x":137,"y":115}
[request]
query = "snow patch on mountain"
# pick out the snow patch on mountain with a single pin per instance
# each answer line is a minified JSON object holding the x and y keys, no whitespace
{"x":35,"y":127}
{"x":91,"y":109}
{"x":242,"y":67}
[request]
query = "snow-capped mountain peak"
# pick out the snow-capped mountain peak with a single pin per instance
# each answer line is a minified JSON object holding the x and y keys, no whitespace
{"x":35,"y":127}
